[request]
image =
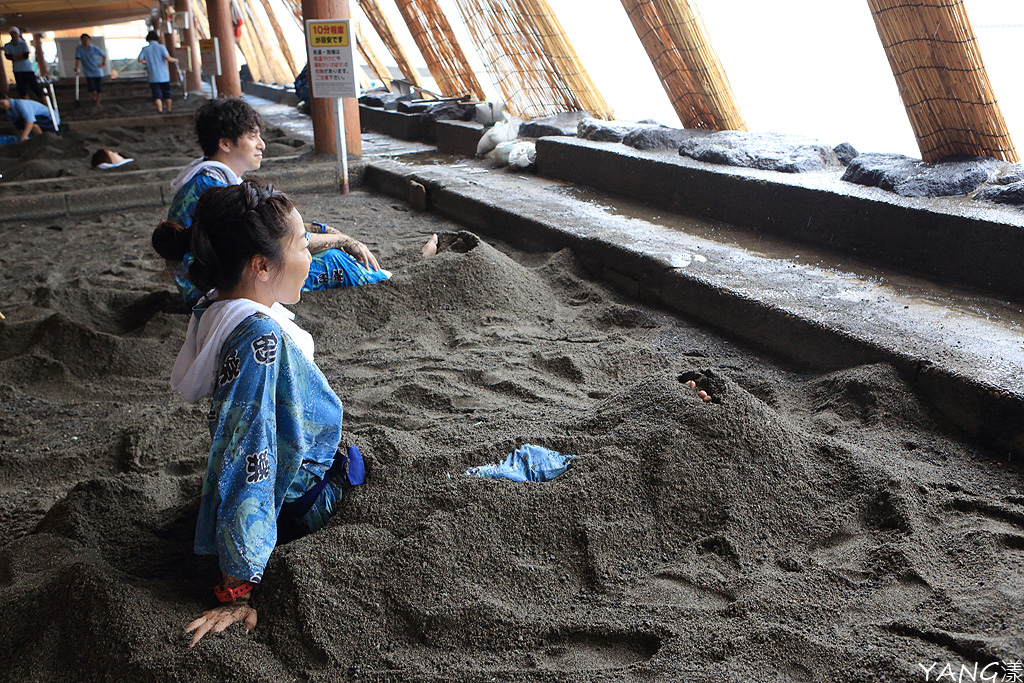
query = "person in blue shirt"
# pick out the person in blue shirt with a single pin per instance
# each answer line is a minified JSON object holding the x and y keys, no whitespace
{"x":16,"y":50}
{"x":156,"y":59}
{"x":91,"y":59}
{"x":229,"y":135}
{"x":28,"y":116}
{"x":274,"y":471}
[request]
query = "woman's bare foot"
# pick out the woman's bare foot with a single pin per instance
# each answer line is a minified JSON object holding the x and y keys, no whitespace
{"x":702,"y":395}
{"x":430,"y":248}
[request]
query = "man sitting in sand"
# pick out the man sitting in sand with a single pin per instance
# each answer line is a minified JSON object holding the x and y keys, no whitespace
{"x":28,"y":116}
{"x":229,"y":135}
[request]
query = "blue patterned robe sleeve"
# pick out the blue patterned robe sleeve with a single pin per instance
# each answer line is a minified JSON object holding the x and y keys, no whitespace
{"x":275,"y":426}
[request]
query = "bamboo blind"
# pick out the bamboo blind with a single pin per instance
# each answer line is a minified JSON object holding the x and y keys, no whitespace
{"x":382,"y":26}
{"x":445,"y":59}
{"x":202,"y":23}
{"x":372,"y":58}
{"x":530,"y":59}
{"x":934,"y":56}
{"x":269,"y":51}
{"x":282,"y":41}
{"x":676,"y":41}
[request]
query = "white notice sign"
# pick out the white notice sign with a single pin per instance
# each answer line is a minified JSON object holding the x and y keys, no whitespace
{"x":332,"y":69}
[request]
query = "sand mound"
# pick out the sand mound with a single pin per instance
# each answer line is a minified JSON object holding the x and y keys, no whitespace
{"x":795,"y":528}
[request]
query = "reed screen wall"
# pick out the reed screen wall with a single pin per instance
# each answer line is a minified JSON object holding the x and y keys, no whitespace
{"x":436,"y":41}
{"x":934,"y":56}
{"x":673,"y":34}
{"x":530,"y":59}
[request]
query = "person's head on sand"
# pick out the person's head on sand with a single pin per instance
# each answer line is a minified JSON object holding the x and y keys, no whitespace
{"x":106,"y":156}
{"x":86,"y":39}
{"x":248,"y":241}
{"x":229,"y":132}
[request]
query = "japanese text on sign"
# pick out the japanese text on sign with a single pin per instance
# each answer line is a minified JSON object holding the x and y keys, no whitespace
{"x":332,"y":69}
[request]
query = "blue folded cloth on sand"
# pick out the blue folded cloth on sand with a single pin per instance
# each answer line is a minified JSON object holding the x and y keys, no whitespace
{"x":527,"y":463}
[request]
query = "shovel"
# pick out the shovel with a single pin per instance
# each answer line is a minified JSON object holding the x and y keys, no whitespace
{"x":78,"y":103}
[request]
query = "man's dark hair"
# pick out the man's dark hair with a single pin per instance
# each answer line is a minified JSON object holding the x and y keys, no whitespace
{"x":231,"y":119}
{"x":85,"y":35}
{"x":152,"y":35}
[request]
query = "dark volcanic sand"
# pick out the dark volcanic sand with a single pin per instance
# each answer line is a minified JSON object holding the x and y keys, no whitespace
{"x":802,"y":527}
{"x":68,"y":156}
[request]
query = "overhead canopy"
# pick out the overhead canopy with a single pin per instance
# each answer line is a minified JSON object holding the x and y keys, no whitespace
{"x":57,"y":15}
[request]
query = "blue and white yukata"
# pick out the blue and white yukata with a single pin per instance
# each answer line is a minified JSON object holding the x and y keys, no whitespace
{"x":330,"y":269}
{"x":275,"y":426}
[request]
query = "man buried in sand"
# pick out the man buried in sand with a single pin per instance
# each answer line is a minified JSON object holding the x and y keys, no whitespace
{"x":229,"y":135}
{"x":274,"y":471}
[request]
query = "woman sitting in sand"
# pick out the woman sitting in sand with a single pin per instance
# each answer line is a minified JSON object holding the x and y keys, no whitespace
{"x":272,"y":474}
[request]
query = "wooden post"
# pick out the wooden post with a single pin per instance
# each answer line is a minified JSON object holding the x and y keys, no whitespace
{"x":37,"y":43}
{"x":323,"y":122}
{"x":228,"y":83}
{"x":190,"y":43}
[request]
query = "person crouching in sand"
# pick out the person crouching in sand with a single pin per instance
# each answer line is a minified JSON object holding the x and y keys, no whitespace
{"x":273,"y":473}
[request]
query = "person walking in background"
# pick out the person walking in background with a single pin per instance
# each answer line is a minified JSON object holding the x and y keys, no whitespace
{"x":16,"y":50}
{"x":91,"y":59}
{"x":156,"y":58}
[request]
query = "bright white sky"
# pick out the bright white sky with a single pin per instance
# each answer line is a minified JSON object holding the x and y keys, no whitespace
{"x":811,"y":67}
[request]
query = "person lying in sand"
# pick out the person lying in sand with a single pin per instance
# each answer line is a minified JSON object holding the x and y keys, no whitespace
{"x":28,"y":116}
{"x":272,"y":474}
{"x":229,"y":135}
{"x":104,"y":159}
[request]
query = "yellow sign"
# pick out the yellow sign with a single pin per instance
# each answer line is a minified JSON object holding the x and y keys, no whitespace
{"x":328,"y":34}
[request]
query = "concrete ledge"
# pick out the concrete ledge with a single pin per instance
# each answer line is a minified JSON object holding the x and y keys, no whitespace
{"x":391,"y":123}
{"x":813,"y":318}
{"x":458,"y":137}
{"x":955,"y":240}
{"x":314,"y":177}
{"x":131,"y":121}
{"x":274,"y":93}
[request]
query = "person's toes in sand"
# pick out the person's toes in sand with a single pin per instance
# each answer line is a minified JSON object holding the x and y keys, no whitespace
{"x":702,"y":395}
{"x":430,"y":248}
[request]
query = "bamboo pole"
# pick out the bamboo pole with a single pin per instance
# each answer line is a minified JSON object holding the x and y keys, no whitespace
{"x":934,"y":55}
{"x":258,"y":69}
{"x":273,"y":72}
{"x":202,"y":22}
{"x":382,"y":25}
{"x":371,"y":57}
{"x":689,"y":71}
{"x":436,"y":41}
{"x":282,"y":41}
{"x":271,"y":48}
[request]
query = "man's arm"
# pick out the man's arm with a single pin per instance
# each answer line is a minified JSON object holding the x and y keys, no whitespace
{"x":26,"y":130}
{"x":77,"y":62}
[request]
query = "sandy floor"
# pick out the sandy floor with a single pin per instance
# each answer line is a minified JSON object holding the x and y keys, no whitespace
{"x":800,"y":527}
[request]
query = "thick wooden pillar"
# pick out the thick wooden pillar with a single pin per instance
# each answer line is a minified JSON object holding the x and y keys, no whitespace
{"x":37,"y":43}
{"x":323,"y":117}
{"x":190,"y":47}
{"x":228,"y":83}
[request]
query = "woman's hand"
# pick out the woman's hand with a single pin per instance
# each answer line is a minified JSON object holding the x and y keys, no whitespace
{"x":219,"y":618}
{"x":333,"y":239}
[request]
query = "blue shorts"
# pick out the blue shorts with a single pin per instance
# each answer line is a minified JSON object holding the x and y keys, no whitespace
{"x":95,"y":84}
{"x":45,"y":123}
{"x":161,"y":91}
